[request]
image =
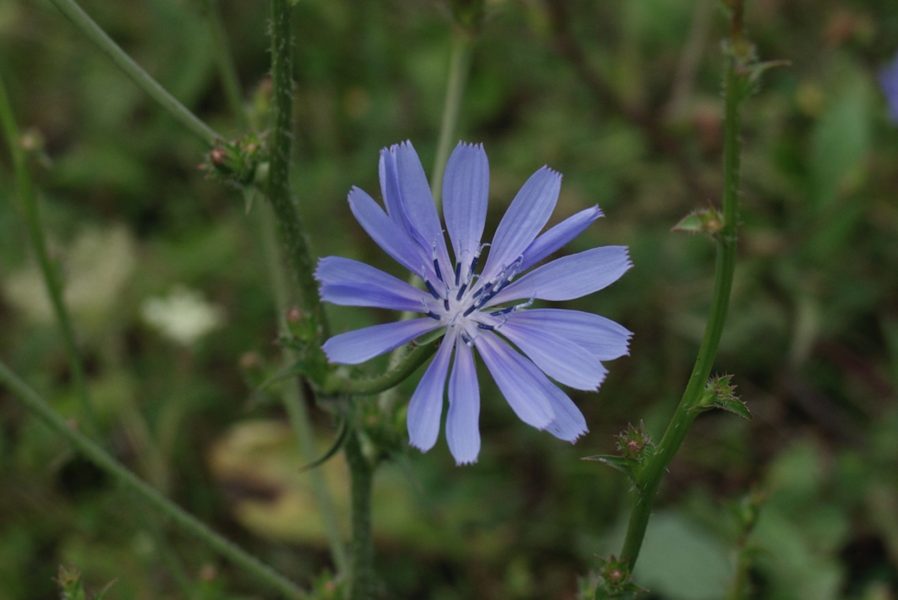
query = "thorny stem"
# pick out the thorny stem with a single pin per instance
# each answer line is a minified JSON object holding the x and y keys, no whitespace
{"x":95,"y":33}
{"x":290,"y":226}
{"x":291,"y":394}
{"x":93,"y":452}
{"x":459,"y":67}
{"x":649,"y":477}
{"x":50,"y":276}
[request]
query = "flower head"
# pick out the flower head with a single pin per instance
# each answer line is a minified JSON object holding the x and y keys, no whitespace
{"x":888,"y":78}
{"x":480,"y":297}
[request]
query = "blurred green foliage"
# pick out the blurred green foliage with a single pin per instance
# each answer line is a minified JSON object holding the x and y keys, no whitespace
{"x":622,"y":97}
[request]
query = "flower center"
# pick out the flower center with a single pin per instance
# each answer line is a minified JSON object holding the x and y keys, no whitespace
{"x":459,"y":300}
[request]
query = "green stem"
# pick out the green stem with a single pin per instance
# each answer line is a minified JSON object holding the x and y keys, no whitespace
{"x":405,"y":366}
{"x":362,"y":479}
{"x":294,"y":403}
{"x":95,"y":33}
{"x":459,"y":67}
{"x":227,"y":72}
{"x":39,"y":243}
{"x":649,"y":478}
{"x":290,"y":227}
{"x":93,"y":452}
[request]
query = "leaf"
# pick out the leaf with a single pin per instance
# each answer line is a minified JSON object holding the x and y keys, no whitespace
{"x":735,"y":406}
{"x":342,"y":435}
{"x":619,"y":463}
{"x":708,"y":220}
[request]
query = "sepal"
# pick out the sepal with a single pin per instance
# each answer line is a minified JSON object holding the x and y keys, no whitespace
{"x":708,"y":221}
{"x":720,"y":392}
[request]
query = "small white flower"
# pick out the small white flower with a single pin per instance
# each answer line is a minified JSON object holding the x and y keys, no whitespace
{"x":183,"y":316}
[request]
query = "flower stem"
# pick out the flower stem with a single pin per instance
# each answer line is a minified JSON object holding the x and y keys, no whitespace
{"x":95,"y":33}
{"x":93,"y":452}
{"x":362,"y":480}
{"x":290,"y":226}
{"x":459,"y":67}
{"x":649,"y":477}
{"x":292,"y":397}
{"x":405,"y":366}
{"x":48,"y":271}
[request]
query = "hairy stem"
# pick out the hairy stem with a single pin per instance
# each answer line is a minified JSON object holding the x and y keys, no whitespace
{"x":290,"y":227}
{"x":650,"y":476}
{"x":459,"y":67}
{"x":362,"y":479}
{"x":190,"y":524}
{"x":95,"y":33}
{"x":291,"y":394}
{"x":54,"y":286}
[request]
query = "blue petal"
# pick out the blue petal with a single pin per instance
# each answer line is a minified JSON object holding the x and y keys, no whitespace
{"x":601,"y":337}
{"x":349,"y":282}
{"x":570,"y":276}
{"x":520,"y":385}
{"x":354,"y":347}
{"x":559,"y":236}
{"x":569,"y":423}
{"x":418,"y":204}
{"x":528,"y":213}
{"x":462,"y":427}
{"x":565,"y":362}
{"x":426,"y":405}
{"x":465,"y":192}
{"x":386,"y":233}
{"x":389,"y":187}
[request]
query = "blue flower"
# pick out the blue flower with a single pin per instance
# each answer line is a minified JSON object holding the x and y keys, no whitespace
{"x":888,"y":78}
{"x":482,"y":312}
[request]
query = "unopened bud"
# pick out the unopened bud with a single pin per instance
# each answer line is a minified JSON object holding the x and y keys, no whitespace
{"x":217,"y":156}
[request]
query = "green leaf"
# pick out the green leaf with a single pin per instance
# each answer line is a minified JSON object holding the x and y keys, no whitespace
{"x":342,"y":435}
{"x":721,"y":393}
{"x":627,"y":466}
{"x":708,"y":221}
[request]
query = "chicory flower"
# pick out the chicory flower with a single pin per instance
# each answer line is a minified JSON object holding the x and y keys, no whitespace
{"x":486,"y":309}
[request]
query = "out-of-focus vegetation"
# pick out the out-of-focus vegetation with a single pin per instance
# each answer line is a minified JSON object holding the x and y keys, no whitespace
{"x":166,"y":280}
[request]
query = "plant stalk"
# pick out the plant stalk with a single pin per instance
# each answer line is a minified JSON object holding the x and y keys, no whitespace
{"x":405,"y":366}
{"x":649,"y":477}
{"x":292,"y":396}
{"x":95,"y":33}
{"x":190,"y":524}
{"x":49,"y":274}
{"x":290,"y":225}
{"x":459,"y":68}
{"x":362,"y":562}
